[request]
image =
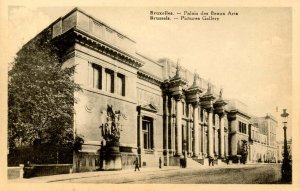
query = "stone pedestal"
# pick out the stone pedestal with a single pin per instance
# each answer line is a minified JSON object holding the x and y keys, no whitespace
{"x":110,"y":157}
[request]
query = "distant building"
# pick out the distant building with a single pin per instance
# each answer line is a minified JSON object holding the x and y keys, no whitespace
{"x":171,"y":112}
{"x":280,"y":147}
{"x":263,"y":139}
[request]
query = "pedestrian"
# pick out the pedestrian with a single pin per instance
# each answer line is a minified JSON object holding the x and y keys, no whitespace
{"x":227,"y":160}
{"x":136,"y":164}
{"x":159,"y":162}
{"x":181,"y":161}
{"x":211,"y":161}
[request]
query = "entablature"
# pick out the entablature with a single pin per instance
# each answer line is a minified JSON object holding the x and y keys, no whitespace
{"x":76,"y":35}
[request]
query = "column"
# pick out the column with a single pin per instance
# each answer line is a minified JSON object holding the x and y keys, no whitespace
{"x":200,"y":140}
{"x":196,"y":131}
{"x":166,"y":137}
{"x":233,"y":138}
{"x":190,"y":139}
{"x":226,"y":144}
{"x":203,"y":140}
{"x":216,"y":140}
{"x":184,"y":138}
{"x":188,"y":128}
{"x":190,"y":133}
{"x":210,"y":133}
{"x":179,"y":125}
{"x":173,"y":127}
{"x":222,"y":153}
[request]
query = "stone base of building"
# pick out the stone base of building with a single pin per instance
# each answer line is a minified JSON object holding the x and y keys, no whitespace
{"x":89,"y":159}
{"x":85,"y":161}
{"x":112,"y":163}
{"x":110,"y":157}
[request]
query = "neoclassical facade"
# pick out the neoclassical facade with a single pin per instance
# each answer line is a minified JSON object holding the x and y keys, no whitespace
{"x":170,"y":112}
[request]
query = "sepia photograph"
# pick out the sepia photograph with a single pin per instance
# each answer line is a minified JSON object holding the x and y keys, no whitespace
{"x":150,"y":95}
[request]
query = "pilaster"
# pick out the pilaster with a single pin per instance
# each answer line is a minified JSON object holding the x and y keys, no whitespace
{"x":140,"y":134}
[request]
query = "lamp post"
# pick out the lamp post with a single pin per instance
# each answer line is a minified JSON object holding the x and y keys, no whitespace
{"x":286,"y":169}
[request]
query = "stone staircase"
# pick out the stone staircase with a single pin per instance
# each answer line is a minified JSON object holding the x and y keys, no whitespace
{"x":193,"y":163}
{"x":198,"y":163}
{"x":204,"y":162}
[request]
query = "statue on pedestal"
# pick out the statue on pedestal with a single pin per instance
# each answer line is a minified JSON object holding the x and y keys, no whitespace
{"x":110,"y":155}
{"x":111,"y":128}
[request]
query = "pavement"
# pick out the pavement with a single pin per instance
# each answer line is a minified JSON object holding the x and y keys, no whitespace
{"x":73,"y":176}
{"x":121,"y":173}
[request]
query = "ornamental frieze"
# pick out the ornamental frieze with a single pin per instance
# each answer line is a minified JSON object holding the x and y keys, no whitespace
{"x":145,"y":97}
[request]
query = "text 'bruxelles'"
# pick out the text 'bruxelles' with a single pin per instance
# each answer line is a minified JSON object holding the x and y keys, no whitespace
{"x":191,"y":15}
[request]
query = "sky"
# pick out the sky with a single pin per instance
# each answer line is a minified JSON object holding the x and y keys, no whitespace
{"x":248,"y":55}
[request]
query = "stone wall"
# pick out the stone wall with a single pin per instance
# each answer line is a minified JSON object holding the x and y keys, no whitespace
{"x":15,"y":172}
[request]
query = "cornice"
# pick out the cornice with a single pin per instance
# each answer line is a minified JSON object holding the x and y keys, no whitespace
{"x":90,"y":41}
{"x":194,"y":90}
{"x":219,"y":106}
{"x":149,"y":78}
{"x":177,"y":82}
{"x":233,"y":113}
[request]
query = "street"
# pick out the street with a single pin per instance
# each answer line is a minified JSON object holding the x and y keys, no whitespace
{"x":231,"y":174}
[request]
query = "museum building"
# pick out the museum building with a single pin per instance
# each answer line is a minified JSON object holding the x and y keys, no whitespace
{"x":169,"y":112}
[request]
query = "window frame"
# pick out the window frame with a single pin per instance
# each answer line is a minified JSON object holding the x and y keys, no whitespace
{"x":109,"y":72}
{"x":123,"y":84}
{"x":98,"y":68}
{"x":147,"y":129}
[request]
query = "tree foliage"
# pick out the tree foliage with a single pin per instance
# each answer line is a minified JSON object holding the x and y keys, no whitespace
{"x":40,"y":97}
{"x":244,"y":151}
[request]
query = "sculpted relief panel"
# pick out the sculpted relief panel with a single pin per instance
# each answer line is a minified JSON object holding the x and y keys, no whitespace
{"x":146,"y":97}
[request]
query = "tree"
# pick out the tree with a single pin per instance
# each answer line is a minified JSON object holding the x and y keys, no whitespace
{"x":41,"y":100}
{"x":244,"y":151}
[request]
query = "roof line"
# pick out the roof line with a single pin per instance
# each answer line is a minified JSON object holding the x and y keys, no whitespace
{"x":101,"y":22}
{"x":149,"y":59}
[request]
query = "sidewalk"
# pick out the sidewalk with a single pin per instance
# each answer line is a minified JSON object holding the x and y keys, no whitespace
{"x":63,"y":177}
{"x":122,"y":173}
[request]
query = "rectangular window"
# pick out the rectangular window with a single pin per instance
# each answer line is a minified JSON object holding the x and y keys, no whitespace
{"x":242,"y":127}
{"x":121,"y":84}
{"x":147,"y":125}
{"x":109,"y":80}
{"x":97,"y":76}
